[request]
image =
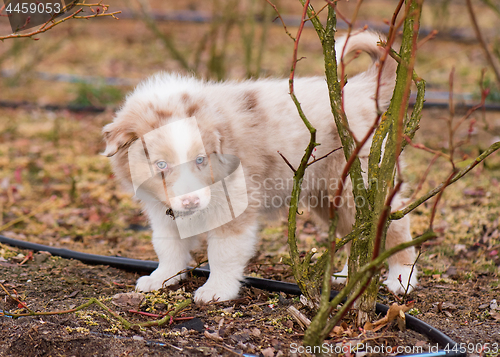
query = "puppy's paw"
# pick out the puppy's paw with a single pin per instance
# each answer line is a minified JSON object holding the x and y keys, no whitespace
{"x":393,"y":282}
{"x":216,"y":292}
{"x":341,"y":276}
{"x":154,"y":282}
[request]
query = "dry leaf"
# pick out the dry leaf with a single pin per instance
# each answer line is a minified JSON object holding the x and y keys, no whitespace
{"x":394,"y":311}
{"x":128,"y":300}
{"x":213,"y":336}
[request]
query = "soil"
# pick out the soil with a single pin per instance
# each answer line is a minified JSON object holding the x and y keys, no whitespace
{"x":258,"y":323}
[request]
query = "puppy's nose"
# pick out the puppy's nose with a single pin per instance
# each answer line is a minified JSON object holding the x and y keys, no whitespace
{"x":190,"y":202}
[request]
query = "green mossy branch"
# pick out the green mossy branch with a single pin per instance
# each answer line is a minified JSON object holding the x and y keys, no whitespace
{"x":384,"y":153}
{"x":300,"y":268}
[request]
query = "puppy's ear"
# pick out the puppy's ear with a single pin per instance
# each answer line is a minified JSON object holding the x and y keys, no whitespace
{"x":117,"y":137}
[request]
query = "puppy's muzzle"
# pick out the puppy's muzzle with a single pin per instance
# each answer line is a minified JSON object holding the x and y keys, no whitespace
{"x":190,"y":202}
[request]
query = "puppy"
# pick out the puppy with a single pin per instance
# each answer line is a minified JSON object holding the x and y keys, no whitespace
{"x":202,"y":157}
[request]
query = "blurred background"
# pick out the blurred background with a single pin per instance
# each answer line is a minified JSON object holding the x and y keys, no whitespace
{"x":57,"y":92}
{"x":96,"y":61}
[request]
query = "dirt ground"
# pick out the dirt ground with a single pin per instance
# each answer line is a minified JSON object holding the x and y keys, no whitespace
{"x":256,"y":324}
{"x":55,"y":189}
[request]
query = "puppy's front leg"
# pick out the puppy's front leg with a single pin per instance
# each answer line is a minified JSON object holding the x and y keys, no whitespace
{"x":173,"y":255}
{"x":229,"y":250}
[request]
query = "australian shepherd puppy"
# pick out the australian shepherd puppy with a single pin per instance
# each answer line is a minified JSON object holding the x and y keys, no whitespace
{"x":203,"y":157}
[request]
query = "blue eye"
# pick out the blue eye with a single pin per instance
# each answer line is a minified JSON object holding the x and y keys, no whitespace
{"x":200,"y":160}
{"x":162,"y":165}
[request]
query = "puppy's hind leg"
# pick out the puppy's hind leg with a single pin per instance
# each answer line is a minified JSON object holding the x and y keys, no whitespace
{"x":341,"y":276}
{"x":400,"y":264}
{"x":229,"y":250}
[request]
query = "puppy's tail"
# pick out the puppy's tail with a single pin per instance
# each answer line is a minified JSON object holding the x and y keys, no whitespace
{"x":368,"y":42}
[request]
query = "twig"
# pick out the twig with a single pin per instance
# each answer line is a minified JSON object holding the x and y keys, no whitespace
{"x":382,"y":223}
{"x":324,"y":156}
{"x":429,"y":37}
{"x":226,"y":348}
{"x":281,"y":19}
{"x":401,"y":213}
{"x":450,"y":119}
{"x":424,"y":177}
{"x":1,"y":9}
{"x":184,"y":271}
{"x":438,"y":197}
{"x":480,"y":38}
{"x":425,"y":148}
{"x":299,"y":269}
{"x":51,"y":23}
{"x":15,"y":299}
{"x":408,"y":285}
{"x":287,"y":162}
{"x":302,"y":319}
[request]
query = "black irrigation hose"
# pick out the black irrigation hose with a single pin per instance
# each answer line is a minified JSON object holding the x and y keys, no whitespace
{"x":264,"y":284}
{"x":52,"y":107}
{"x":429,"y":103}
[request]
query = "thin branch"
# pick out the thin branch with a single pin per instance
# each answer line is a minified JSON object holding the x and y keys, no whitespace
{"x":408,"y":285}
{"x":281,"y":19}
{"x":2,"y":8}
{"x":15,"y":298}
{"x":287,"y":162}
{"x":382,"y":222}
{"x":401,"y":213}
{"x":425,"y":148}
{"x":424,"y":177}
{"x":427,"y":38}
{"x":438,"y":197}
{"x":51,"y":23}
{"x":324,"y":156}
{"x":483,"y":44}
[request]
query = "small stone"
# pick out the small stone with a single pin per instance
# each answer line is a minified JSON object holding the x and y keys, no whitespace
{"x":493,"y":305}
{"x":255,"y":332}
{"x":41,"y":257}
{"x":160,"y":306}
{"x":242,"y":336}
{"x":268,"y":352}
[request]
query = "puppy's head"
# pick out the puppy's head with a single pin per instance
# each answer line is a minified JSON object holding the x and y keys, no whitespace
{"x":158,"y":152}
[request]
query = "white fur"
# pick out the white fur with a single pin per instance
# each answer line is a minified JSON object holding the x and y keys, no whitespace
{"x":182,"y":135}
